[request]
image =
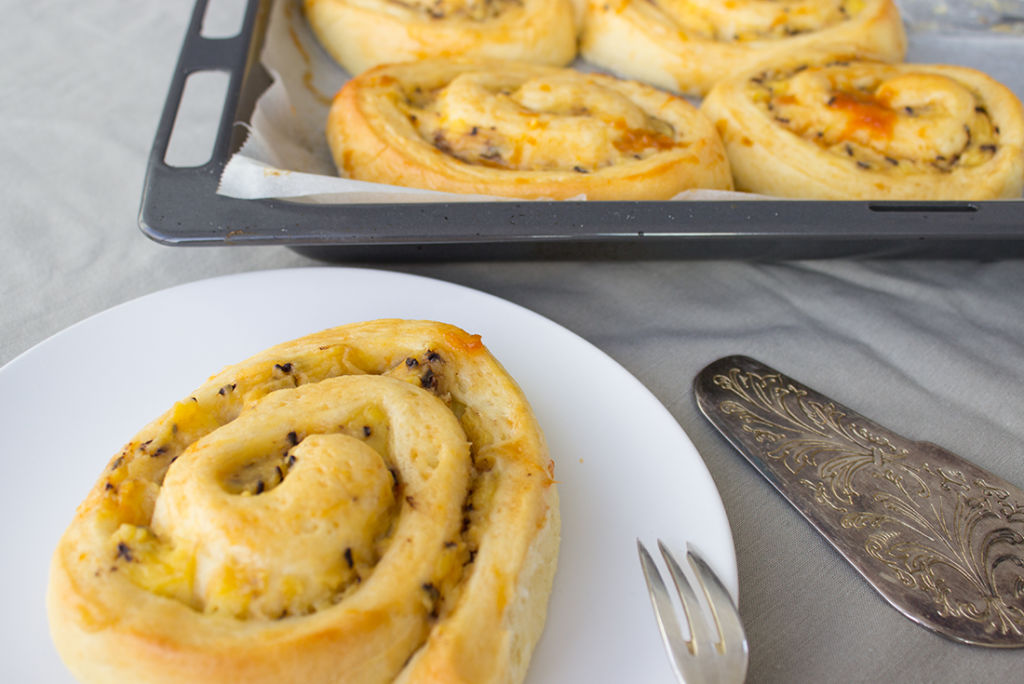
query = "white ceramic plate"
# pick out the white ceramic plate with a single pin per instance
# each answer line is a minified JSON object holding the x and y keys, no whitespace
{"x":625,"y":467}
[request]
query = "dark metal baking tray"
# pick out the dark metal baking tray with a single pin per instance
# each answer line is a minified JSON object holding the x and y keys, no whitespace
{"x":180,"y":206}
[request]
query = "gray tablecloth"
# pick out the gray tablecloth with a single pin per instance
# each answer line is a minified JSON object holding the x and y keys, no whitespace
{"x":933,"y":349}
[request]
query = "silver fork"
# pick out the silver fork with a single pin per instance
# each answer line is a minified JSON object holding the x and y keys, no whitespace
{"x":719,"y":656}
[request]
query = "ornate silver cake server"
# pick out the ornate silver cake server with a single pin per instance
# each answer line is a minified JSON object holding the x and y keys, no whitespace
{"x":940,"y":538}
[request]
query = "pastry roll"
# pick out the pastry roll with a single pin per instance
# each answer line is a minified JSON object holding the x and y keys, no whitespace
{"x":521,"y":130}
{"x":832,"y":125}
{"x":360,"y":34}
{"x":688,"y":45}
{"x":370,"y":503}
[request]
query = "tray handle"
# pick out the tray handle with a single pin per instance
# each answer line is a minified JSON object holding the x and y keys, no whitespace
{"x":238,"y":56}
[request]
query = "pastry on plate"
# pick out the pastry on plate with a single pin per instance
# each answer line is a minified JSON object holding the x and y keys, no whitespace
{"x":360,"y":34}
{"x":833,"y":124}
{"x":688,"y":45}
{"x":512,"y":129}
{"x":371,"y":503}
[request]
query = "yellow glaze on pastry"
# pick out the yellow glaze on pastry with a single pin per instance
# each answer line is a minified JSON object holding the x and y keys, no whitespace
{"x":372,"y":503}
{"x":360,"y":34}
{"x":830,"y":124}
{"x":520,"y":130}
{"x":689,"y":45}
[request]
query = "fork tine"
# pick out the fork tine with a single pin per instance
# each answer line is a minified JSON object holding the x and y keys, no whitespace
{"x":716,"y":651}
{"x":732,"y":640}
{"x":675,"y":644}
{"x":700,"y":637}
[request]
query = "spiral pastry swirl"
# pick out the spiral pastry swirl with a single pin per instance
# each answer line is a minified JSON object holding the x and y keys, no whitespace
{"x":688,"y":45}
{"x":360,"y":34}
{"x":512,"y":129}
{"x":833,"y":124}
{"x":371,"y":503}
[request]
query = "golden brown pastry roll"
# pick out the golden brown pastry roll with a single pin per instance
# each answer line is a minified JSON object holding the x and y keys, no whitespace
{"x":370,"y":503}
{"x":360,"y":34}
{"x":688,"y":45}
{"x":832,"y":125}
{"x":513,"y":129}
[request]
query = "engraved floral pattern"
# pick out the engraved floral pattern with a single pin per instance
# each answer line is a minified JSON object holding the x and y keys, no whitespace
{"x":801,"y":432}
{"x":941,"y":535}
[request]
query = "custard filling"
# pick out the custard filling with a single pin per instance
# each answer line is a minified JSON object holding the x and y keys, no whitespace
{"x":880,"y":117}
{"x":562,"y":122}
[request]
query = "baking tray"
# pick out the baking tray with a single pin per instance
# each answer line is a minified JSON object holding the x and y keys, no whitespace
{"x":180,"y":205}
